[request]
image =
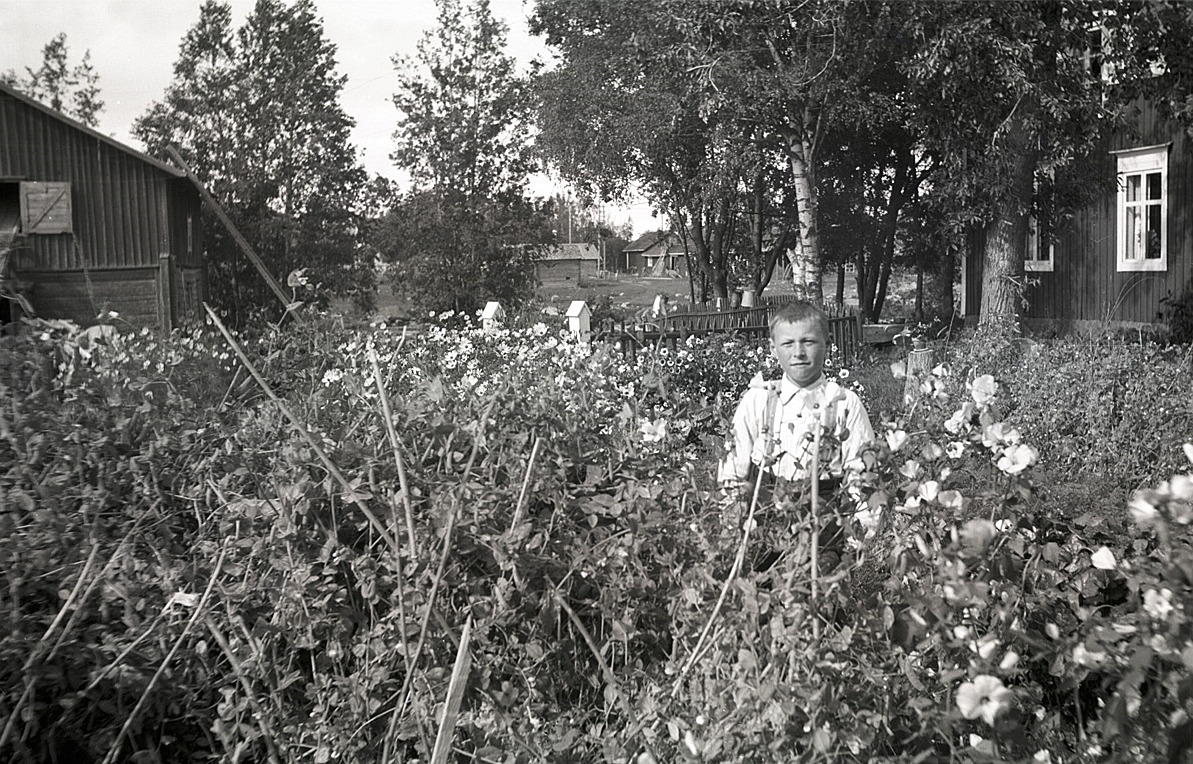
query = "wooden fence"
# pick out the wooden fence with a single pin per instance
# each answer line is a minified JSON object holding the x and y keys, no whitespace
{"x":750,"y":324}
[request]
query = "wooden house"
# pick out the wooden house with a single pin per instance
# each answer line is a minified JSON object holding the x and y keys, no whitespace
{"x":92,"y":226}
{"x":657,"y":253}
{"x":1114,"y":261}
{"x":569,"y":261}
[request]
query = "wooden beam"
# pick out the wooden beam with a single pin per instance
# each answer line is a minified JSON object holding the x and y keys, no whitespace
{"x":240,"y":240}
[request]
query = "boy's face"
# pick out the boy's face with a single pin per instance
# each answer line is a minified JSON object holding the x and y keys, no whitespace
{"x":800,"y":348}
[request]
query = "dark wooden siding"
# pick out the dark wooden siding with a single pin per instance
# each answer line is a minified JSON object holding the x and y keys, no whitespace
{"x":1086,"y":284}
{"x":128,"y":211}
{"x":134,"y":293}
{"x":115,"y":195}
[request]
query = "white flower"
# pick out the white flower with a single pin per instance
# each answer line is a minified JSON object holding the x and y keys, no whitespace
{"x":929,"y":490}
{"x":960,"y":418}
{"x":1016,"y":459}
{"x":956,"y":449}
{"x":978,"y":533}
{"x":1143,"y":512}
{"x":653,"y":432}
{"x":1009,"y":661}
{"x":1103,"y":559}
{"x":999,"y":434}
{"x":1188,"y":447}
{"x":1181,"y":487}
{"x":910,"y":469}
{"x":950,"y":499}
{"x":931,"y":452}
{"x":984,"y":697}
{"x":983,"y":389}
{"x":896,"y":438}
{"x":1158,"y":604}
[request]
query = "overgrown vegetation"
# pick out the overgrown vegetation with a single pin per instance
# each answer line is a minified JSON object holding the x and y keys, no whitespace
{"x":189,"y":575}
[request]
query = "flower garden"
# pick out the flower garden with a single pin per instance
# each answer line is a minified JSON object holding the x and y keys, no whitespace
{"x":319,"y":543}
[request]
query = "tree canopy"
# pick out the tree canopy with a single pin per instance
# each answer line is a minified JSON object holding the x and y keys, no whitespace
{"x":255,"y":112}
{"x":72,"y":90}
{"x":467,"y":230}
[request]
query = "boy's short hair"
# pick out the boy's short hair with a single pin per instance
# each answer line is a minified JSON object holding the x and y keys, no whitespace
{"x":794,"y":312}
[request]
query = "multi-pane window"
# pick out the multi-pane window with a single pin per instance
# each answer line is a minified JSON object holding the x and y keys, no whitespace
{"x":1142,"y":230}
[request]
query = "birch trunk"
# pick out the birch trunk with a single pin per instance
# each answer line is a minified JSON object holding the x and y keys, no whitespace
{"x":806,"y":275}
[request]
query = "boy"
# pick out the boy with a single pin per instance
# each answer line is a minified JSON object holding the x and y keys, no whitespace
{"x":773,"y":425}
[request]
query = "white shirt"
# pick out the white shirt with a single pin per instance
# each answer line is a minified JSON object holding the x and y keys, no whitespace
{"x":845,"y":430}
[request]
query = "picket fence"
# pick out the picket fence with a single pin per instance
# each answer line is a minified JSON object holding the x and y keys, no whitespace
{"x":669,"y":330}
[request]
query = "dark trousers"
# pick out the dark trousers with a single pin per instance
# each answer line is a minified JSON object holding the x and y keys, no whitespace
{"x":782,"y":501}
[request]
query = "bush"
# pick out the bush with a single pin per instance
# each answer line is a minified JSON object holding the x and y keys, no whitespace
{"x":1178,"y":316}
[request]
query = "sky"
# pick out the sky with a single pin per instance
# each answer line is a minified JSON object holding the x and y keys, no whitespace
{"x":134,"y":44}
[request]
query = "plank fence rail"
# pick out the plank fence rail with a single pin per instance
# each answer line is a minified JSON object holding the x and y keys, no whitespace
{"x":750,"y":324}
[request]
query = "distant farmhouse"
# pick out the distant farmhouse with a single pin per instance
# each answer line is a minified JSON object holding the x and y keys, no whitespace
{"x":564,"y":261}
{"x":89,"y":225}
{"x":657,"y":253}
{"x":1113,"y":262}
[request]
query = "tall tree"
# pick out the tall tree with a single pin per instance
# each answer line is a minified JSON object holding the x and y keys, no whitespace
{"x":256,"y":114}
{"x":1003,"y":94}
{"x":72,"y":90}
{"x":467,"y":230}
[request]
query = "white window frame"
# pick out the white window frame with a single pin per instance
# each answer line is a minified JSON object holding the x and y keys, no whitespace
{"x":1141,"y":161}
{"x":1031,"y":259}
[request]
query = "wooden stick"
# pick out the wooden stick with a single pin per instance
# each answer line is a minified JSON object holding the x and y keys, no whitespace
{"x":534,"y":451}
{"x":455,"y":694}
{"x":227,"y":221}
{"x":606,"y":670}
{"x":392,"y":433}
{"x":815,"y":476}
{"x":302,"y":430}
{"x":266,"y":732}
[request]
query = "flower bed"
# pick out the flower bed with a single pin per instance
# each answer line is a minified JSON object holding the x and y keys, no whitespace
{"x":189,"y":574}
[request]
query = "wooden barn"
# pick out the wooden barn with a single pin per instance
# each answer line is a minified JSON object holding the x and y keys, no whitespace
{"x":1113,"y":262}
{"x":91,"y":225}
{"x":566,"y":261}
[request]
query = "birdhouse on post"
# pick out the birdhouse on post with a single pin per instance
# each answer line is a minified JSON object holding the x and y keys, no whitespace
{"x":580,"y":320}
{"x":492,"y":316}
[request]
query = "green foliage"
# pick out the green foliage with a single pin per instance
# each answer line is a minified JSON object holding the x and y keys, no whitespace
{"x":255,"y":114}
{"x":1106,"y":412}
{"x":467,"y":232}
{"x":1178,"y":316}
{"x":558,"y":497}
{"x":74,"y":91}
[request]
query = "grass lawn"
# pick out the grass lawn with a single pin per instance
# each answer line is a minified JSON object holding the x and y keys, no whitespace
{"x":627,"y":291}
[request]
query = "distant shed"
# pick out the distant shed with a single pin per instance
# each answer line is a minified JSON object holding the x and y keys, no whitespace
{"x":93,"y":225}
{"x":563,"y":261}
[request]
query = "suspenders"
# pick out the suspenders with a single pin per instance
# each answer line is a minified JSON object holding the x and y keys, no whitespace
{"x":768,"y":424}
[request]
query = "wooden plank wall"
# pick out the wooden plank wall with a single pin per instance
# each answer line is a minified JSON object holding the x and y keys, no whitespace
{"x":81,"y":296}
{"x":1086,"y":284}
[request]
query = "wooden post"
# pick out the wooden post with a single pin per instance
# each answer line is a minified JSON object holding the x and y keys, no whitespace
{"x":240,"y":240}
{"x":165,"y":292}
